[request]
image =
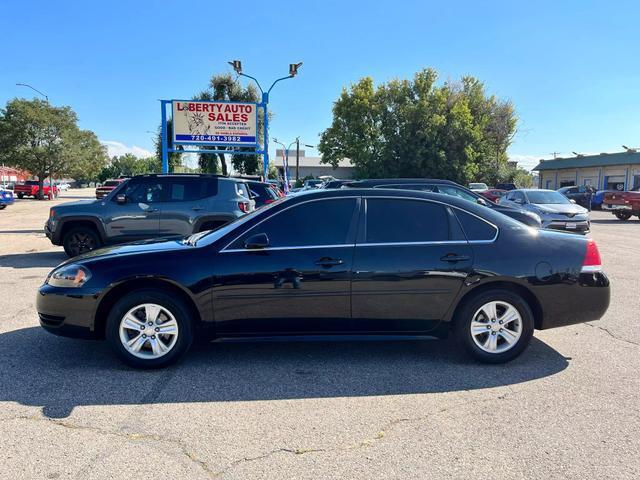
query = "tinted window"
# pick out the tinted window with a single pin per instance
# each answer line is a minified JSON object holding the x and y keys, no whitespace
{"x":111,"y":183}
{"x":321,"y":222}
{"x":188,"y":189}
{"x":145,"y":191}
{"x":390,"y":220}
{"x":475,"y":228}
{"x":456,"y":192}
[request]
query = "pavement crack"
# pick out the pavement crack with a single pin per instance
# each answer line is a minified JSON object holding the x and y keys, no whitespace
{"x":612,"y":335}
{"x":130,"y":436}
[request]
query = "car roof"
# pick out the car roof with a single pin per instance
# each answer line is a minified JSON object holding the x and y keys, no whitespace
{"x":398,"y":181}
{"x":191,"y":175}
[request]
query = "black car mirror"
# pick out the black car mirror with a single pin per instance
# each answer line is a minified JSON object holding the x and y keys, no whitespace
{"x":121,"y":198}
{"x":257,"y":242}
{"x":481,"y":201}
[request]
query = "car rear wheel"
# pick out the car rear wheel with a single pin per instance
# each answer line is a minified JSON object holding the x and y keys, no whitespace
{"x":623,"y":215}
{"x":80,"y":240}
{"x":495,"y":326}
{"x":149,"y":329}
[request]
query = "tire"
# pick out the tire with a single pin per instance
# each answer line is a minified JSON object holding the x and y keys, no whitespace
{"x":168,"y":310}
{"x":474,"y":310}
{"x":624,"y":216}
{"x":80,"y":240}
{"x":20,"y":196}
{"x":211,"y":225}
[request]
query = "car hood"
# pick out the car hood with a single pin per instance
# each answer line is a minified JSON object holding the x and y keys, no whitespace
{"x":562,"y":208}
{"x":78,"y":204}
{"x":143,"y":246}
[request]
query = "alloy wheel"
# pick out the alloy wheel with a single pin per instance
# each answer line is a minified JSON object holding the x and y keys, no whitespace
{"x":81,"y":243}
{"x":496,"y":327}
{"x":148,"y":331}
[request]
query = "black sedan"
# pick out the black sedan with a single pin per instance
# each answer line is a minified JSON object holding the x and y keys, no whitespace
{"x":337,"y":262}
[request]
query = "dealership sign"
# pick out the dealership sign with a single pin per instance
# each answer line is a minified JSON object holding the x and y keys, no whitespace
{"x":215,"y":123}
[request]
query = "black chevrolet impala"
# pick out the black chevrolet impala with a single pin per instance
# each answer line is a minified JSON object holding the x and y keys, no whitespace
{"x":333,"y":262}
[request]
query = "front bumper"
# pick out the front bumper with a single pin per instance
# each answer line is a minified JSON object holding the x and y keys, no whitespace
{"x":66,"y":312}
{"x":567,"y":225}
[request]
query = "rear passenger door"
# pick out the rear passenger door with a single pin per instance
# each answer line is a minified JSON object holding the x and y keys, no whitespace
{"x":410,"y":261}
{"x":184,"y":204}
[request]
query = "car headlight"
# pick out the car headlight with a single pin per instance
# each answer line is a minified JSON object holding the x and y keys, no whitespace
{"x":69,"y":276}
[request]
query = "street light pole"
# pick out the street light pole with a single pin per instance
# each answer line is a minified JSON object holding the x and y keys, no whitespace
{"x":293,"y":71}
{"x":34,"y":89}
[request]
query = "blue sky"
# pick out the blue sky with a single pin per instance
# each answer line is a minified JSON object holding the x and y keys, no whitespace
{"x":570,"y":67}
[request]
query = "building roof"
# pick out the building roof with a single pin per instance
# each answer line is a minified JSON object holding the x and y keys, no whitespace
{"x":583,"y":161}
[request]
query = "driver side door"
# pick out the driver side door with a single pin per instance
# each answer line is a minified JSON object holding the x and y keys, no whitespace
{"x":139,"y":216}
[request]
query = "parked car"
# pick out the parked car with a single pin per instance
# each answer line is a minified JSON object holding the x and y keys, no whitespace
{"x":149,"y":206}
{"x":335,"y":183}
{"x":262,"y":193}
{"x":505,"y":186}
{"x":450,"y":188}
{"x":478,"y":187}
{"x":347,"y":262}
{"x":6,"y":198}
{"x":312,"y":183}
{"x":556,"y":211}
{"x":493,"y":194}
{"x":63,"y":187}
{"x":597,"y":199}
{"x":582,"y":194}
{"x":107,"y":187}
{"x":622,"y":204}
{"x":30,"y":188}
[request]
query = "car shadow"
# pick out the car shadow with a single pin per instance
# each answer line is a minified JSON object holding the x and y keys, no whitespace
{"x":601,"y":221}
{"x":33,"y":259}
{"x":59,"y":374}
{"x":23,"y":231}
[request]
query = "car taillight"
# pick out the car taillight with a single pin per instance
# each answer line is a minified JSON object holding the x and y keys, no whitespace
{"x":244,"y":207}
{"x":592,"y":261}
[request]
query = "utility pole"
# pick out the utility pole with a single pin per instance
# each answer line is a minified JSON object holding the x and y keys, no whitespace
{"x":555,"y":154}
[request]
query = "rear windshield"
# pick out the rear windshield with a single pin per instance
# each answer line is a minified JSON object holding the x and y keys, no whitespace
{"x":111,"y":183}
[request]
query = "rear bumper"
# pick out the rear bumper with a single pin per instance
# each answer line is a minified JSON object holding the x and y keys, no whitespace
{"x":612,"y":207}
{"x":574,"y":300}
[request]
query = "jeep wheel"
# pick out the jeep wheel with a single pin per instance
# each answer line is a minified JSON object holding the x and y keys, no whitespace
{"x":21,"y":196}
{"x":80,"y":240}
{"x":623,"y":215}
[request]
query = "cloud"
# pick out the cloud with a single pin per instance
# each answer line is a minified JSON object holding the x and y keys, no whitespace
{"x":115,"y":149}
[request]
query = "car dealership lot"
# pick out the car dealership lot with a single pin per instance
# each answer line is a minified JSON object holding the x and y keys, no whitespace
{"x":568,"y":408}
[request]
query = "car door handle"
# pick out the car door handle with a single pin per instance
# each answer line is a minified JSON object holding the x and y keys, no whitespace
{"x":329,"y":262}
{"x":452,"y":257}
{"x":197,"y":209}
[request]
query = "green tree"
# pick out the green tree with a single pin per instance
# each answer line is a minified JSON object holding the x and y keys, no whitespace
{"x":416,"y":128}
{"x":128,"y":165}
{"x":45,"y":140}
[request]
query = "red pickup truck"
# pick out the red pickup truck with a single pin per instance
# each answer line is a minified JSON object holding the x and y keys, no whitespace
{"x":30,"y":189}
{"x":622,"y":204}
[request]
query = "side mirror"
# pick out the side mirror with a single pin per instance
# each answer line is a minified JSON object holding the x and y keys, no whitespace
{"x":121,"y":198}
{"x":481,"y":201}
{"x":572,"y":200}
{"x":257,"y":242}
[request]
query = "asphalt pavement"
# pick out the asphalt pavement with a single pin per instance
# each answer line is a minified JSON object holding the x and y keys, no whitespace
{"x":568,"y":408}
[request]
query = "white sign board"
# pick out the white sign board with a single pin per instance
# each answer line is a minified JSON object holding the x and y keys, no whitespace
{"x":215,"y":123}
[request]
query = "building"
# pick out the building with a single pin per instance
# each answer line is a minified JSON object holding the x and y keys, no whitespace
{"x":606,"y":171}
{"x":12,"y":175}
{"x":311,"y":166}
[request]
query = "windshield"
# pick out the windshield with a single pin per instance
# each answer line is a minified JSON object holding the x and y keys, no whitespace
{"x":478,"y":185}
{"x":209,"y":236}
{"x":547,"y":197}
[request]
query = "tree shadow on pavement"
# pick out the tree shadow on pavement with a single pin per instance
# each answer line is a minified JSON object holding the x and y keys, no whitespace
{"x":33,"y":259}
{"x":58,"y":374}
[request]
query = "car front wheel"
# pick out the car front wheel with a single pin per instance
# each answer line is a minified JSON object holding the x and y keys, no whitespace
{"x":495,"y":326}
{"x":149,"y":329}
{"x":80,"y":240}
